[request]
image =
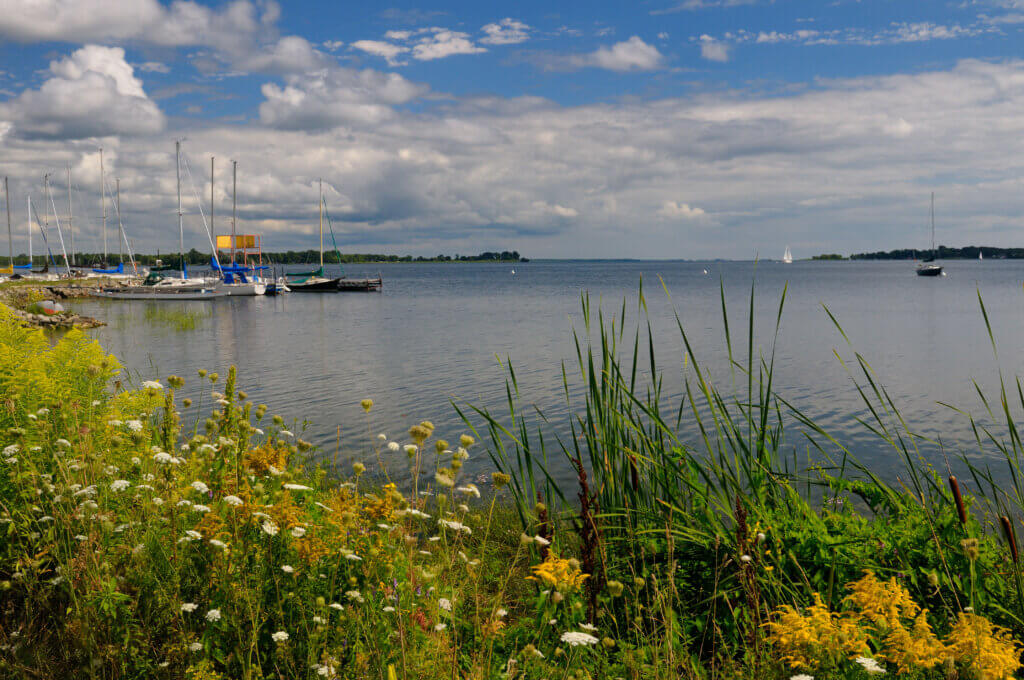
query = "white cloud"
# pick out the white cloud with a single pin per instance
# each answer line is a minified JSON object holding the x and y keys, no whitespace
{"x":333,"y":45}
{"x":335,"y":97}
{"x":713,"y":50}
{"x":93,"y":92}
{"x":290,"y":54}
{"x":154,"y":67}
{"x":508,"y":31}
{"x":674,"y":210}
{"x":379,"y":48}
{"x":441,"y":43}
{"x":630,"y":55}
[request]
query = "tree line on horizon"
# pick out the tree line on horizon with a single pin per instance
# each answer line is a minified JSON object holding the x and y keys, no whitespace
{"x":941,"y":253}
{"x":198,"y":258}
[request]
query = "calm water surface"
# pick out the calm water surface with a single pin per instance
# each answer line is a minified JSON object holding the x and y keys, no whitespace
{"x":436,"y":332}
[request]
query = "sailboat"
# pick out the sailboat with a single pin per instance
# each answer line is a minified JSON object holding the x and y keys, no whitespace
{"x":787,"y":257}
{"x":233,"y":277}
{"x":315,"y":281}
{"x":979,"y":256}
{"x":9,"y":269}
{"x":156,"y":287}
{"x":928,"y":266}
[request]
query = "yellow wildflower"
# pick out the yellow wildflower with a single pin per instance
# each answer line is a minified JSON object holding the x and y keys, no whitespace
{"x":883,"y":604}
{"x":917,"y":647}
{"x":989,"y":649}
{"x":816,"y":637}
{"x":564,"y":575}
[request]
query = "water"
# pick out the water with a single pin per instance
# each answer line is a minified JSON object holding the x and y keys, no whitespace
{"x":436,"y":333}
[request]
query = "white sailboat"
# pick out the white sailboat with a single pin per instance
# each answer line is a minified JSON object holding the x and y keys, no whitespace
{"x":979,"y":256}
{"x":787,"y":258}
{"x":159,"y":288}
{"x":928,"y":266}
{"x":234,"y":281}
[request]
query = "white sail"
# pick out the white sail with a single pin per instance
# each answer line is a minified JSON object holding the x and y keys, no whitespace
{"x":788,"y":257}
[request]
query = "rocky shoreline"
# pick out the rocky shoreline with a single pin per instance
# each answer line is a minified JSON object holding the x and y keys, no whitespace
{"x":19,"y":298}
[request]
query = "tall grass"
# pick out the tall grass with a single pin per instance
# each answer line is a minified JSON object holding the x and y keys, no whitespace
{"x":756,"y":525}
{"x":176,"y":318}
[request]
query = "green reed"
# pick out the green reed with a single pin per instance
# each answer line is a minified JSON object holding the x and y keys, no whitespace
{"x":176,"y":318}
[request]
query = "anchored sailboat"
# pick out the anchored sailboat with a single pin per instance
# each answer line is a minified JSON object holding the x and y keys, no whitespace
{"x":315,"y":281}
{"x":928,"y":266}
{"x":787,"y":257}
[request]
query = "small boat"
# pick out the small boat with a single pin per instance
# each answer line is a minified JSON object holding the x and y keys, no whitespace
{"x":787,"y":257}
{"x":928,"y":266}
{"x":315,"y":281}
{"x":979,"y":256}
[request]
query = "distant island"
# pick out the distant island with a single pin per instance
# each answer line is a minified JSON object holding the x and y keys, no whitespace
{"x":197,"y":258}
{"x":941,"y":253}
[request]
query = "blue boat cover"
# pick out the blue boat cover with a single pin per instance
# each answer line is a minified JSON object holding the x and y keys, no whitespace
{"x":23,"y":266}
{"x":119,"y":270}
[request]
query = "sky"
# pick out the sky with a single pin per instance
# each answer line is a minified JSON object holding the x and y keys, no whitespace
{"x":658,"y":129}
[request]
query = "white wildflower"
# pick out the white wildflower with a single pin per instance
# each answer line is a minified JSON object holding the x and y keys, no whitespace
{"x":233,"y":500}
{"x":445,"y":604}
{"x":410,"y":449}
{"x":802,"y":676}
{"x":577,"y":639}
{"x":501,"y":613}
{"x":11,"y":449}
{"x":286,"y":433}
{"x":195,"y":646}
{"x":193,"y":535}
{"x":134,"y":425}
{"x":287,"y":568}
{"x":354,"y":595}
{"x":162,"y":457}
{"x":152,"y":385}
{"x":335,"y":605}
{"x":213,"y":615}
{"x":383,"y":437}
{"x":444,"y":479}
{"x":189,"y":607}
{"x":115,"y":423}
{"x":218,"y":544}
{"x":590,"y":628}
{"x":298,"y":532}
{"x":119,"y":485}
{"x":441,"y":626}
{"x":745,"y":559}
{"x":454,"y":526}
{"x":269,"y":528}
{"x":257,"y":430}
{"x":200,"y":508}
{"x":63,"y":443}
{"x":353,"y":557}
{"x":393,"y":447}
{"x":279,"y":637}
{"x":157,"y":500}
{"x":183,"y":502}
{"x":296,"y":487}
{"x":870,"y":665}
{"x":469,"y":490}
{"x":200,"y":487}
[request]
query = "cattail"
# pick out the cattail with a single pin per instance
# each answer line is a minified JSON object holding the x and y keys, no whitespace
{"x":959,"y":499}
{"x":1011,"y":537}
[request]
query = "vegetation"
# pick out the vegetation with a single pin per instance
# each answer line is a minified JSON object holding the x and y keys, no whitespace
{"x":944,"y":253}
{"x":181,"y":318}
{"x":828,"y":256}
{"x":138,"y":547}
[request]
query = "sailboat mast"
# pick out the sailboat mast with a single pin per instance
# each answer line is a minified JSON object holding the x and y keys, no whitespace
{"x":234,"y":206}
{"x":933,"y":224}
{"x":181,"y":226}
{"x":321,"y":223}
{"x":10,"y":239}
{"x":212,"y":230}
{"x":28,"y":223}
{"x":103,"y":208}
{"x":71,"y":217}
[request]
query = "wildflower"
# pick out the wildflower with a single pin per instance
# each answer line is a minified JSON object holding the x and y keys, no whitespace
{"x":367,"y":404}
{"x":184,"y":502}
{"x":63,"y":443}
{"x":441,"y":626}
{"x":286,"y":433}
{"x":200,"y":487}
{"x":410,"y":449}
{"x":802,"y":676}
{"x":189,"y":607}
{"x":318,"y":620}
{"x":279,"y":637}
{"x":353,"y":557}
{"x":296,"y":487}
{"x":466,"y":440}
{"x":990,"y":650}
{"x":443,"y":478}
{"x":590,"y":628}
{"x":298,"y":532}
{"x":269,"y":528}
{"x":615,"y":588}
{"x":158,"y":501}
{"x":500,"y":479}
{"x":870,"y":665}
{"x":288,"y":569}
{"x":530,"y":650}
{"x":358,"y":468}
{"x":115,"y":423}
{"x":445,"y":604}
{"x":213,"y":615}
{"x":382,"y":437}
{"x":11,"y":449}
{"x":193,"y":535}
{"x":469,"y":490}
{"x":745,"y":559}
{"x":152,"y":385}
{"x":134,"y":425}
{"x":335,"y":605}
{"x":577,"y":639}
{"x":555,"y":572}
{"x":200,"y":508}
{"x":218,"y":544}
{"x":195,"y":646}
{"x":393,"y":447}
{"x":119,"y":485}
{"x":388,"y":609}
{"x":233,"y":500}
{"x":354,"y":595}
{"x":541,"y":541}
{"x":454,"y":526}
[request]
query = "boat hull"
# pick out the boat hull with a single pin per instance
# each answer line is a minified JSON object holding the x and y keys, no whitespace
{"x":929,"y":270}
{"x":359,"y":285}
{"x":317,"y":286}
{"x":244,"y":289}
{"x":160,"y":293}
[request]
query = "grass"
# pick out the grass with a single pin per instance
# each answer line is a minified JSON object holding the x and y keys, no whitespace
{"x":179,"y":318}
{"x":137,"y":548}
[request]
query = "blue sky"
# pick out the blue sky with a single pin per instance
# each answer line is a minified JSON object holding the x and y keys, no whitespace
{"x":666,"y":128}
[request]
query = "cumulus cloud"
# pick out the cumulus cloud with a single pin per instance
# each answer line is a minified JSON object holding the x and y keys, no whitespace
{"x":334,"y":97}
{"x":380,"y":48}
{"x":93,"y":92}
{"x":441,"y":43}
{"x":713,"y":50}
{"x":290,"y":54}
{"x":845,"y":162}
{"x":629,"y":55}
{"x":508,"y":31}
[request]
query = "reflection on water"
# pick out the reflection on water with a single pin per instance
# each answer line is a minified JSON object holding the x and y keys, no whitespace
{"x":437,"y":332}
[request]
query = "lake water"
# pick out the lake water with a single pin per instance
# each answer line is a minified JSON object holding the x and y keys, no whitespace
{"x":436,"y":332}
